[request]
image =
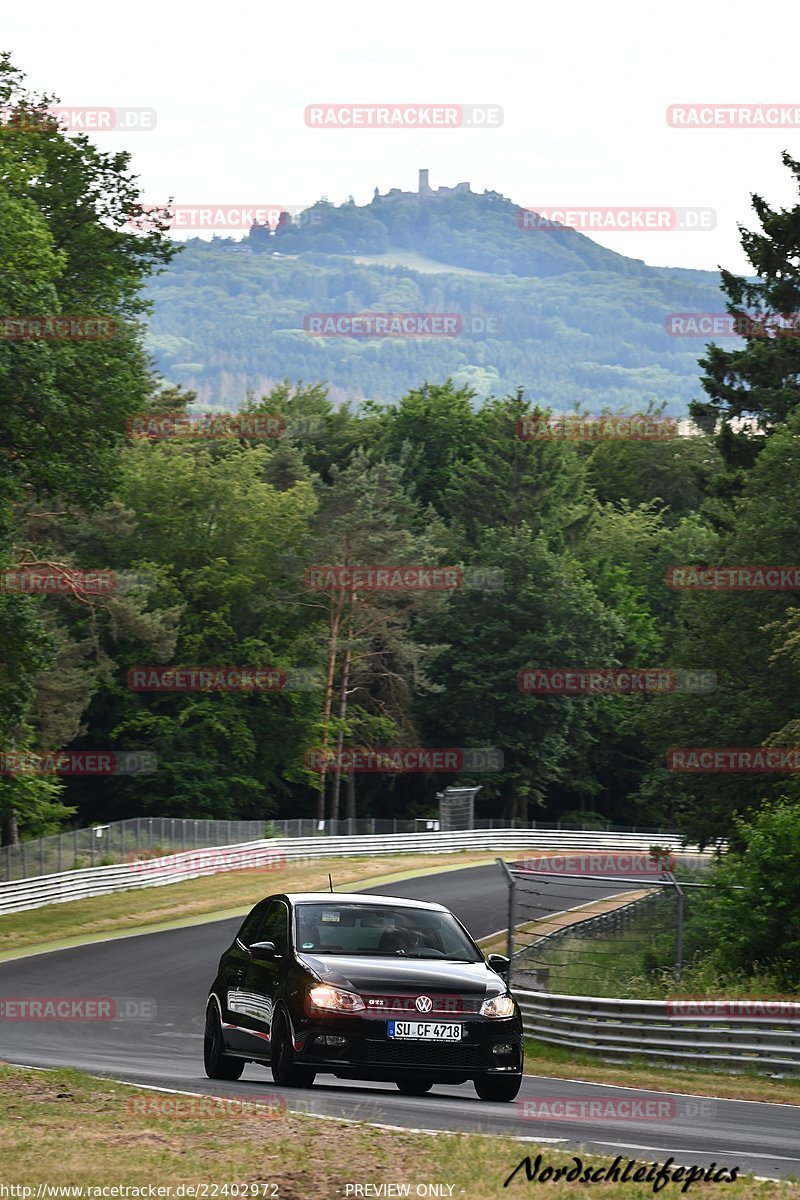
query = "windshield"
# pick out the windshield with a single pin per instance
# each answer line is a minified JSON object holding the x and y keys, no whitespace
{"x":388,"y":932}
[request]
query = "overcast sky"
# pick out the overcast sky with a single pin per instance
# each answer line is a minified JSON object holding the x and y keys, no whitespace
{"x":584,"y":89}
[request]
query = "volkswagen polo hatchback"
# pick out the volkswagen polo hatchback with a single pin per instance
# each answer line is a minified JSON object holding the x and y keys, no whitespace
{"x":363,"y":987}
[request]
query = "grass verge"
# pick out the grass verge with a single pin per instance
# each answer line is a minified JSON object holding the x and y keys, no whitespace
{"x":562,"y":1063}
{"x":67,"y":1129}
{"x":227,"y":894}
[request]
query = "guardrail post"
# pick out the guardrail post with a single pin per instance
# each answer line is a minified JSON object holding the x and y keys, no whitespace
{"x":511,"y":915}
{"x":681,"y":899}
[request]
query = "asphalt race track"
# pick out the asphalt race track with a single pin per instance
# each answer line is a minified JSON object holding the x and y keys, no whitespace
{"x":162,"y":979}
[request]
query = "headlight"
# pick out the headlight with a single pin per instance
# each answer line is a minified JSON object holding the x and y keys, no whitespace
{"x":498,"y":1006}
{"x":333,"y":999}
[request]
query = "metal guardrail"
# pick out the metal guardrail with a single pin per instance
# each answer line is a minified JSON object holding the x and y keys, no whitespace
{"x":101,"y":845}
{"x":268,"y":854}
{"x":650,"y":1028}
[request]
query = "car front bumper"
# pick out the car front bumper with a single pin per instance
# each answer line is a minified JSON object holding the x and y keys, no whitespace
{"x":361,"y":1049}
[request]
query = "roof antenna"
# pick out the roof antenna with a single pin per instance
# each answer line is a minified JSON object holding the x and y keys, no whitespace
{"x":330,"y":881}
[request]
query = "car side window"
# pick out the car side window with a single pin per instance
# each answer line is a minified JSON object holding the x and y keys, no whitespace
{"x":274,"y":926}
{"x":250,"y":926}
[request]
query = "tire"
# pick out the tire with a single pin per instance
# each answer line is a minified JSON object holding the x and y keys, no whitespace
{"x":285,"y":1071}
{"x":498,"y":1087}
{"x":414,"y":1087}
{"x":217,"y":1063}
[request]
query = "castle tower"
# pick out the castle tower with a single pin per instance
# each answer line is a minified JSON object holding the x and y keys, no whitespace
{"x":424,"y":186}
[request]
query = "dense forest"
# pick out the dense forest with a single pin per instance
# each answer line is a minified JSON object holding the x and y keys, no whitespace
{"x":574,"y":324}
{"x":561,"y":550}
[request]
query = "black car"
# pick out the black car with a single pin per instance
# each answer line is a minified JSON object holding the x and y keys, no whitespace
{"x":363,"y":987}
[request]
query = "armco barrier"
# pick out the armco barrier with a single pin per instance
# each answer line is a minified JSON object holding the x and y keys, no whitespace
{"x":649,"y":1029}
{"x":24,"y":894}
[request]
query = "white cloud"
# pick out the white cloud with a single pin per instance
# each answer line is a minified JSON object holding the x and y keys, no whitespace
{"x":584,"y":88}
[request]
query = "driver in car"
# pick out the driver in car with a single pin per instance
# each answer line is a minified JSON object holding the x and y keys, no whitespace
{"x":400,"y":941}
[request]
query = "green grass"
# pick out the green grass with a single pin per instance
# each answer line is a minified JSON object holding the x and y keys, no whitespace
{"x":561,"y":1062}
{"x":67,"y":1129}
{"x":210,"y":896}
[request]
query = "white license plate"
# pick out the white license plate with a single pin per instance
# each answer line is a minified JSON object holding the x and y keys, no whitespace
{"x":426,"y":1031}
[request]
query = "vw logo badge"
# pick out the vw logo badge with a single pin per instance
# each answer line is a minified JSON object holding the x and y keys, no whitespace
{"x":424,"y":1004}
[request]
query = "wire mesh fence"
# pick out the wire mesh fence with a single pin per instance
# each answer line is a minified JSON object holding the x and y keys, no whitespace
{"x":579,"y":932}
{"x":118,"y":841}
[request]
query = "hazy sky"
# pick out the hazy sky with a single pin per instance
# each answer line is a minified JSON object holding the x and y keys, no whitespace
{"x":584,"y":89}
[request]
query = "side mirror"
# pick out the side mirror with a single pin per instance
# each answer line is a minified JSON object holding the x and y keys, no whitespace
{"x":263,"y":949}
{"x":498,"y":963}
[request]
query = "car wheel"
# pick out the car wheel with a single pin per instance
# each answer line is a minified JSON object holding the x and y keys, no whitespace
{"x":498,"y":1087}
{"x":414,"y":1087}
{"x":285,"y":1071}
{"x":217,"y":1063}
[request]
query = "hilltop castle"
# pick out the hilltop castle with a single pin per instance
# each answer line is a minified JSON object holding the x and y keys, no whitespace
{"x":424,"y":191}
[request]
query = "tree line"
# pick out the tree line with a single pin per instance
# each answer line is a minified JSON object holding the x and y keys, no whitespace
{"x":562,"y":549}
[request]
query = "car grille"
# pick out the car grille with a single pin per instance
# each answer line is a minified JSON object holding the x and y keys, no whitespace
{"x":422,"y":1054}
{"x":394,"y":1004}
